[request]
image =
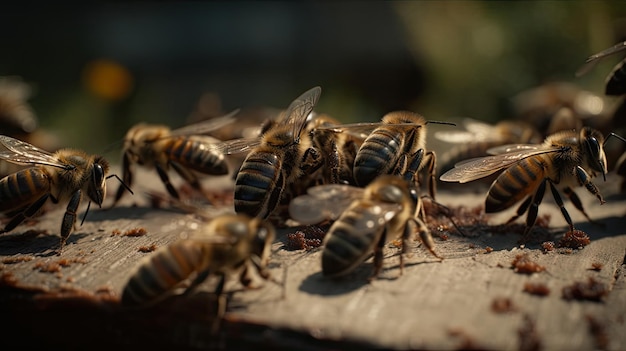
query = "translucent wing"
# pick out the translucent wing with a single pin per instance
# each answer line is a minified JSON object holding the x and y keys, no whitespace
{"x":235,"y":146}
{"x":362,"y":130}
{"x":298,"y":111}
{"x":23,"y":153}
{"x":378,"y":214}
{"x":206,"y":126}
{"x":480,"y":167}
{"x":323,"y":202}
{"x":595,"y":58}
{"x":502,"y":149}
{"x":359,"y":130}
{"x":475,"y":130}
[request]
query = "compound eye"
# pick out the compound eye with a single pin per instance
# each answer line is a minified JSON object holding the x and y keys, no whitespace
{"x":98,"y":174}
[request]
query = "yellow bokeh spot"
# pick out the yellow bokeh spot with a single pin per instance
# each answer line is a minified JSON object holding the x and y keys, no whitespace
{"x":107,"y":79}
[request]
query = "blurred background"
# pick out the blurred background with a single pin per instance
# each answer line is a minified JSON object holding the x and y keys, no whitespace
{"x":93,"y":71}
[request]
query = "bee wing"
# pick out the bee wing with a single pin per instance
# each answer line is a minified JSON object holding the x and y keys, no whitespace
{"x":479,"y":167}
{"x":298,"y":111}
{"x":23,"y":153}
{"x":475,"y":130}
{"x":380,"y":213}
{"x":235,"y":146}
{"x":358,"y":130}
{"x":206,"y":126}
{"x":323,"y":202}
{"x":502,"y":149}
{"x":595,"y":58}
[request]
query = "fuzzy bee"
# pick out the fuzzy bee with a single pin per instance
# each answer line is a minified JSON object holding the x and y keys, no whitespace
{"x":63,"y":176}
{"x":185,"y":150}
{"x":565,"y":160}
{"x":396,"y":146}
{"x":225,"y":246}
{"x":275,"y":160}
{"x":365,"y":220}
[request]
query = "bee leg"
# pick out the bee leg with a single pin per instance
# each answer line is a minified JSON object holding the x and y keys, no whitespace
{"x":575,"y":200}
{"x":220,"y":308}
{"x":69,"y":218}
{"x":127,"y":176}
{"x":441,"y":208}
{"x":190,"y":178}
{"x":311,"y":161}
{"x":333,"y":165}
{"x":431,"y":160}
{"x":559,"y":202}
{"x":426,"y":237}
{"x":166,"y":180}
{"x":531,"y":217}
{"x":520,"y":210}
{"x":27,"y":213}
{"x":378,"y":255}
{"x":583,"y":179}
{"x":408,"y":166}
{"x":201,"y":277}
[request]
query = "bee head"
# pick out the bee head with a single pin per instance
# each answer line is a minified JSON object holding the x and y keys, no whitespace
{"x":97,"y":187}
{"x":593,"y":141}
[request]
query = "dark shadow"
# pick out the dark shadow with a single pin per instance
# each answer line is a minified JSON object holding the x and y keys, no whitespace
{"x":128,"y":212}
{"x":33,"y":242}
{"x":318,"y":284}
{"x":604,"y":227}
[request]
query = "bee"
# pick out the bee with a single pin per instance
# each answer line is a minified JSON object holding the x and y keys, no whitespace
{"x":479,"y":136}
{"x":565,"y":160}
{"x":63,"y":176}
{"x":185,"y":150}
{"x":275,"y":160}
{"x":224,"y":246}
{"x":337,"y":150}
{"x":396,"y":145}
{"x":365,"y":219}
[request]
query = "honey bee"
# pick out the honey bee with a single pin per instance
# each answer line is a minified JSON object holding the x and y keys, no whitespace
{"x":479,"y":136}
{"x":396,"y":145}
{"x":275,"y":160}
{"x":338,"y":151}
{"x":185,"y":150}
{"x":365,"y":219}
{"x":63,"y":176}
{"x":225,"y":246}
{"x":566,"y":159}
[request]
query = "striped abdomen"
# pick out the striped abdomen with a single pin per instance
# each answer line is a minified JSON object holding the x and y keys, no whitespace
{"x":259,"y":184}
{"x":17,"y":190}
{"x":163,"y":271}
{"x":377,"y":155}
{"x":517,"y":182}
{"x":350,"y":240}
{"x":196,"y":155}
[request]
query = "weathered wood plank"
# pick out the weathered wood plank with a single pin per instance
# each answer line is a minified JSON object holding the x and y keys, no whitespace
{"x":433,"y":305}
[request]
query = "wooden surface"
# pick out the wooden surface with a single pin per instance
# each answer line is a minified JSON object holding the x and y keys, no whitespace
{"x":473,"y":299}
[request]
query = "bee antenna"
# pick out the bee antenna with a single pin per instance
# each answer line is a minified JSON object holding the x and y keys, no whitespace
{"x":122,"y":182}
{"x":85,"y":215}
{"x":613,"y":135}
{"x":441,"y":122}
